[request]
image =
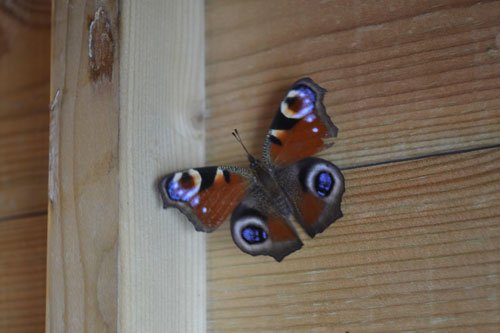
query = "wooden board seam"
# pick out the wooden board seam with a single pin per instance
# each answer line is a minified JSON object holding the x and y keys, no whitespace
{"x":23,"y":216}
{"x":420,"y":157}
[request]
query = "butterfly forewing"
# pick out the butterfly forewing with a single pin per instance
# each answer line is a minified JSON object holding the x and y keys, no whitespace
{"x":301,"y":127}
{"x":208,"y":195}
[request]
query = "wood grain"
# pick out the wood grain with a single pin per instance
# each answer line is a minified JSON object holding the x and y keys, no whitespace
{"x":405,"y":78}
{"x":24,"y":99}
{"x":22,"y":274}
{"x":162,"y":92}
{"x":24,"y":119}
{"x":417,"y":250}
{"x":82,"y":250}
{"x":127,"y":106}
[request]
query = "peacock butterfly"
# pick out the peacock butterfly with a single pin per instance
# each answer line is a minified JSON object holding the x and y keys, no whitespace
{"x":286,"y":185}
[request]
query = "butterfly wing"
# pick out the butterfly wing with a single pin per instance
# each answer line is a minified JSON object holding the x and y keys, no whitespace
{"x":301,"y":127}
{"x":315,"y":187}
{"x":207,"y":196}
{"x":258,"y":228}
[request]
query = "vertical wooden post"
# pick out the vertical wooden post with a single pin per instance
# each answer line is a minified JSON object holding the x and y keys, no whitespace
{"x":162,"y":259}
{"x":83,"y":169}
{"x":128,"y":87}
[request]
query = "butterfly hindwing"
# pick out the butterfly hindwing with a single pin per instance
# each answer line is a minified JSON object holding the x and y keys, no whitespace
{"x":315,"y":187}
{"x":207,"y":196}
{"x":258,"y":228}
{"x":301,"y":127}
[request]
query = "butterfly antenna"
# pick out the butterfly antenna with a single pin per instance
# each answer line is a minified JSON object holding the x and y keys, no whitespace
{"x":238,"y":138}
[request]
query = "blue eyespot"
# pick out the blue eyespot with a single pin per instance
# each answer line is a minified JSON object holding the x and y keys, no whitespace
{"x":306,"y":92}
{"x":174,"y":191}
{"x":178,"y":193}
{"x":323,"y":184}
{"x":308,"y":100}
{"x":253,"y":234}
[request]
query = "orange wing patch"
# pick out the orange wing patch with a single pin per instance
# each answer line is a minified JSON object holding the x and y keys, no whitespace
{"x":305,"y":139}
{"x":279,"y":230}
{"x":301,"y":127}
{"x":311,"y":208}
{"x":207,"y":196}
{"x":214,"y":204}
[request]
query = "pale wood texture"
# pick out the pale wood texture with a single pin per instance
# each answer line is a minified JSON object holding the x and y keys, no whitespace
{"x":405,"y":78}
{"x":22,"y":274}
{"x":24,"y":119}
{"x":418,"y":247}
{"x":24,"y":99}
{"x":108,"y":150}
{"x":83,"y":197}
{"x":162,"y":257}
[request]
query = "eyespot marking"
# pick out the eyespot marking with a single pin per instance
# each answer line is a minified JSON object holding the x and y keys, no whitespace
{"x":186,"y":180}
{"x":298,"y":103}
{"x":320,"y":178}
{"x":323,"y":184}
{"x":253,"y":234}
{"x":183,"y":186}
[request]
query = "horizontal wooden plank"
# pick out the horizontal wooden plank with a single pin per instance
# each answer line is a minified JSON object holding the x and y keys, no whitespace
{"x":417,"y":249}
{"x":24,"y":100}
{"x":405,"y":79}
{"x":22,"y":274}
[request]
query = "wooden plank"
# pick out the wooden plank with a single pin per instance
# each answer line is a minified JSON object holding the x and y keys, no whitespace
{"x":24,"y":99}
{"x":416,"y":250}
{"x":126,"y":109}
{"x":22,"y":274}
{"x":162,"y":257}
{"x":24,"y":119}
{"x":83,"y":197}
{"x":405,"y":79}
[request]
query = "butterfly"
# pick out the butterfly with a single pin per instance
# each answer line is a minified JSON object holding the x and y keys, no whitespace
{"x":286,"y":186}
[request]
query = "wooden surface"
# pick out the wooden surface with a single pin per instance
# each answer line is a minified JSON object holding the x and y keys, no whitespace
{"x":162,"y":286}
{"x":83,"y":199}
{"x":414,"y":89}
{"x":117,"y":261}
{"x":22,"y":274}
{"x":24,"y":118}
{"x":24,"y":99}
{"x":405,"y":79}
{"x":417,"y":249}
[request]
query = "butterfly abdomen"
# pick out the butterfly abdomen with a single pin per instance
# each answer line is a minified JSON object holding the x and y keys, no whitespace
{"x":271,"y":192}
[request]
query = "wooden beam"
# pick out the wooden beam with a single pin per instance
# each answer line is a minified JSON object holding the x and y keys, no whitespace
{"x":83,"y":181}
{"x":127,"y":106}
{"x":162,"y":257}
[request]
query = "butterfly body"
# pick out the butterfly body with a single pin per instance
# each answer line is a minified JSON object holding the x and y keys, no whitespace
{"x":268,"y":188}
{"x":286,"y":187}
